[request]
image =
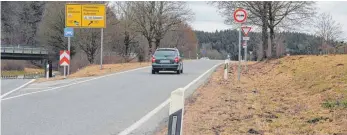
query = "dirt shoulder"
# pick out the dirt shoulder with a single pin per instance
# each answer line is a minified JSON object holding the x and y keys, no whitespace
{"x":94,"y":70}
{"x":291,"y":95}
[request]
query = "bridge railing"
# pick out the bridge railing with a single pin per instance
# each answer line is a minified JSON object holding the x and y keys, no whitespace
{"x":24,"y":50}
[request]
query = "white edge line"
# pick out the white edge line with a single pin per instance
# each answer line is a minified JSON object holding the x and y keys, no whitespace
{"x":54,"y":88}
{"x":8,"y":93}
{"x":161,"y":106}
{"x":144,"y":118}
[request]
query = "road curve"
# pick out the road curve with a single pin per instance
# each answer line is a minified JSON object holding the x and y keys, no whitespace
{"x":103,"y":106}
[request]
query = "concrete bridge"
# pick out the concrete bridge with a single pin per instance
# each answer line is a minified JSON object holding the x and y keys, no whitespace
{"x":23,"y":53}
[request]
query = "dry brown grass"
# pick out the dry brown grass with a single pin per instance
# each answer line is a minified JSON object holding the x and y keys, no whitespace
{"x":33,"y":70}
{"x":283,"y":96}
{"x":22,"y":72}
{"x":94,"y":70}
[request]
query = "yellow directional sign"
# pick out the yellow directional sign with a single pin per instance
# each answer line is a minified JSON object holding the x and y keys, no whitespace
{"x":73,"y":15}
{"x":93,"y":16}
{"x":90,"y":15}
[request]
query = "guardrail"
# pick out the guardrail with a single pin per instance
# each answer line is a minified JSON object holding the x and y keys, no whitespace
{"x":24,"y":50}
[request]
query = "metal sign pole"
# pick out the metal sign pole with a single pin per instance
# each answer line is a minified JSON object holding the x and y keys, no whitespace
{"x":239,"y":69}
{"x":189,"y":55}
{"x":68,"y":68}
{"x":246,"y":54}
{"x":64,"y":71}
{"x":102,"y":38}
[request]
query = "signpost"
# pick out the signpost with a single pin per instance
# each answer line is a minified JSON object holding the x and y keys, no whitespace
{"x":68,"y":32}
{"x":64,"y":60}
{"x":87,"y":16}
{"x":246,"y":30}
{"x":240,"y":16}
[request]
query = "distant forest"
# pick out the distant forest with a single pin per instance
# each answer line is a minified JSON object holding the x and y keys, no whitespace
{"x":219,"y":44}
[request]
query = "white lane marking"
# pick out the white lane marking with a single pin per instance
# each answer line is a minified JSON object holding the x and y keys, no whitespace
{"x":34,"y":88}
{"x":4,"y":95}
{"x":54,"y":88}
{"x":161,"y":106}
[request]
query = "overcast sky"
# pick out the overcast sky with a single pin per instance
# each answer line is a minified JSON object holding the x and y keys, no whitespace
{"x":207,"y":18}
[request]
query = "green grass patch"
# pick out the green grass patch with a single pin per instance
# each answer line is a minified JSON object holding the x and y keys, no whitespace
{"x":317,"y":119}
{"x":335,"y":104}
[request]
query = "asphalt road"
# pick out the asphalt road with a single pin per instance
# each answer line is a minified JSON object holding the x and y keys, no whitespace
{"x":103,"y":106}
{"x":10,"y":84}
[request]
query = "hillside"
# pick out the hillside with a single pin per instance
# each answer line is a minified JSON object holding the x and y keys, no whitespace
{"x":291,"y":95}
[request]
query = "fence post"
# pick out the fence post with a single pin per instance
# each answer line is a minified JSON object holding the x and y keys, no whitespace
{"x":176,"y":112}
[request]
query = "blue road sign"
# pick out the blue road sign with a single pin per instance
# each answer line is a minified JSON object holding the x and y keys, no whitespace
{"x":68,"y":32}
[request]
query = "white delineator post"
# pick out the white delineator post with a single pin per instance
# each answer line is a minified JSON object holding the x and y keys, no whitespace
{"x":225,"y":69}
{"x":176,"y":112}
{"x":47,"y":72}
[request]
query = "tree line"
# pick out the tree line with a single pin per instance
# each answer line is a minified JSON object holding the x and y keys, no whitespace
{"x":133,"y":30}
{"x":219,"y":44}
{"x":274,"y":17}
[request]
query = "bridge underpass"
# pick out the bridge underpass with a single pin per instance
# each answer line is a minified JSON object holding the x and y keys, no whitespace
{"x":27,"y":53}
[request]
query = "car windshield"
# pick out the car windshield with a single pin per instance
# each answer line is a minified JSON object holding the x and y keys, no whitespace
{"x":165,"y":53}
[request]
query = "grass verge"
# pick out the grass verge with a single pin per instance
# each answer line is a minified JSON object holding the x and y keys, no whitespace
{"x":291,"y":95}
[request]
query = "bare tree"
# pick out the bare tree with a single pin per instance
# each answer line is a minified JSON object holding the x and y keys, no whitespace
{"x":155,"y":18}
{"x":145,"y":21}
{"x":126,"y":16}
{"x":89,"y":42}
{"x":287,"y":14}
{"x":327,"y":28}
{"x":183,"y":38}
{"x":170,"y":15}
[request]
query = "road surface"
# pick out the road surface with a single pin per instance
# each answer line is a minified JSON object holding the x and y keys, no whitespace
{"x":102,"y":106}
{"x":10,"y":84}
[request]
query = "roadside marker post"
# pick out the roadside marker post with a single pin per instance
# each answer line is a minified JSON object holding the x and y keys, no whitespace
{"x":240,"y":16}
{"x":226,"y":69}
{"x":176,"y":112}
{"x":64,"y":60}
{"x":47,"y":71}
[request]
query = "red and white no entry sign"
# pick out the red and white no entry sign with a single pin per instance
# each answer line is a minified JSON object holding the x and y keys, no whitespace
{"x":64,"y":58}
{"x":240,"y":16}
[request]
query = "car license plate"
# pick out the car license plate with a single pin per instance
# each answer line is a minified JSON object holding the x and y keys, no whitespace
{"x":164,"y":61}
